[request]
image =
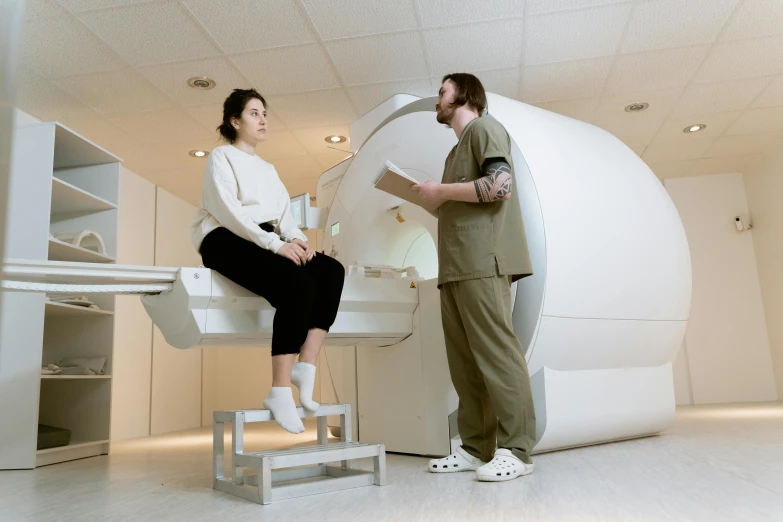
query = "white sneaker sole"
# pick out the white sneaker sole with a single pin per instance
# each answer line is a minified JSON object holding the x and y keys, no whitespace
{"x":454,"y":468}
{"x":504,"y":476}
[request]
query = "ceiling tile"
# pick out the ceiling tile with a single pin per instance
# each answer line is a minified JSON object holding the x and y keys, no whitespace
{"x":329,"y":160}
{"x":297,"y":168}
{"x":436,"y":13}
{"x":147,"y":34}
{"x":104,"y":133}
{"x":756,"y":18}
{"x":115,"y":92}
{"x":280,"y":145}
{"x":758,"y":120}
{"x":62,"y":46}
{"x":663,"y":152}
{"x":172,"y":79}
{"x":287,"y":70}
{"x":161,"y":126}
{"x":671,"y":169}
{"x":477,"y":47}
{"x":88,"y":5}
{"x":27,"y":75}
{"x":48,"y":102}
{"x":745,"y":144}
{"x":564,"y":80}
{"x":250,"y":25}
{"x":346,"y":18}
{"x":638,"y":149}
{"x":298,"y":186}
{"x":145,"y":158}
{"x":314,"y":139}
{"x":571,"y":35}
{"x":379,"y":58}
{"x":654,"y":70}
{"x":42,"y":8}
{"x":635,"y":127}
{"x":719,"y":97}
{"x":504,"y":82}
{"x":210,"y":116}
{"x":661,"y":24}
{"x":313,"y":109}
{"x":772,"y":96}
{"x":367,"y":97}
{"x":739,"y":59}
{"x":547,"y":6}
{"x":722,"y":165}
{"x":581,"y":109}
{"x":716,"y":123}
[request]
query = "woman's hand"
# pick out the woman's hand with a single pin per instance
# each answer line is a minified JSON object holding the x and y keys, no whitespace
{"x":293,"y":252}
{"x":310,"y":253}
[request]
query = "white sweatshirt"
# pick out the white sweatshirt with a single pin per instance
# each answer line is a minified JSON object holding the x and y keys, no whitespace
{"x":240,"y":191}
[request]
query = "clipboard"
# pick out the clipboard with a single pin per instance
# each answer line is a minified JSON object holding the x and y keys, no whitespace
{"x":392,"y":180}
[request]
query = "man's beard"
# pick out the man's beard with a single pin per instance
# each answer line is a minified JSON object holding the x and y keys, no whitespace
{"x":444,"y":117}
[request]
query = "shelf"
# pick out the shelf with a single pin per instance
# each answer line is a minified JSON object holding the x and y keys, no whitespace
{"x":62,"y":251}
{"x":54,"y":309}
{"x":73,"y":150}
{"x":74,"y":450}
{"x":73,"y":377}
{"x":67,"y":198}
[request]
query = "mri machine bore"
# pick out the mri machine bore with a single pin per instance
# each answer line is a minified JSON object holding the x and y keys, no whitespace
{"x":601,"y":319}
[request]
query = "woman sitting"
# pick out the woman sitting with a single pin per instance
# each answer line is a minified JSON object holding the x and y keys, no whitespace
{"x":244,"y":230}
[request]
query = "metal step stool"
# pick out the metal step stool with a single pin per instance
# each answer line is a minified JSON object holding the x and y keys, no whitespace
{"x":309,"y":463}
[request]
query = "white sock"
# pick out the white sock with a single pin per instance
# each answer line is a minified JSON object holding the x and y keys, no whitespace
{"x":303,"y":377}
{"x":281,"y":402}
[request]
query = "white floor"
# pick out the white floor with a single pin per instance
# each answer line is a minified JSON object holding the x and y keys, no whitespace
{"x":715,"y":463}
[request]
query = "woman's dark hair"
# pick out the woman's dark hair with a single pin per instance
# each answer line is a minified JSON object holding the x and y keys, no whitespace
{"x":468,"y":90}
{"x":233,"y":107}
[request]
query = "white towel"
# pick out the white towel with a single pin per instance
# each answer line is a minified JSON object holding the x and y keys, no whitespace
{"x":96,"y":365}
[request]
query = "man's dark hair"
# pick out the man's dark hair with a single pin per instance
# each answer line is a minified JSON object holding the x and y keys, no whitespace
{"x":233,"y":107}
{"x":468,"y":91}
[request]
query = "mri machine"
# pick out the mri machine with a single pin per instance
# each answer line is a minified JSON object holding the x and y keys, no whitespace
{"x":601,"y":319}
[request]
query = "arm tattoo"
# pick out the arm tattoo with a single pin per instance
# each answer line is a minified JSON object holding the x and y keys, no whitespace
{"x":496,"y":183}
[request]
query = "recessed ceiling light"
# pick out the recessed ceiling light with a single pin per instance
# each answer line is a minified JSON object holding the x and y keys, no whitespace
{"x":202,"y":83}
{"x":694,"y":128}
{"x":637,"y":107}
{"x":198,"y":153}
{"x":335,"y":139}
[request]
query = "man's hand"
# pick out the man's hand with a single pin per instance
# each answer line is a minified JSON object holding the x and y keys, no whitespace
{"x":309,"y":252}
{"x":430,"y":192}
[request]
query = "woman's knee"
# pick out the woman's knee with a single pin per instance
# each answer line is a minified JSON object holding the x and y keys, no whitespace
{"x":332,"y":267}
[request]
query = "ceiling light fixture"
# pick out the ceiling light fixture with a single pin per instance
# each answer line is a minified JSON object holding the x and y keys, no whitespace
{"x":335,"y":139}
{"x":198,"y":153}
{"x":694,"y":128}
{"x":202,"y":83}
{"x":637,"y":107}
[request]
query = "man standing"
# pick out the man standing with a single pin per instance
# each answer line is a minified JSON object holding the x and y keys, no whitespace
{"x":481,"y":250}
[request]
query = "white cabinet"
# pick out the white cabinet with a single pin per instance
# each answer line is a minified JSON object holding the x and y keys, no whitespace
{"x":60,"y":183}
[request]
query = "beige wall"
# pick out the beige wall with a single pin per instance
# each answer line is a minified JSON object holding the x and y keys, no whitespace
{"x":176,"y":374}
{"x":131,"y":380}
{"x":764,"y":185}
{"x":727,"y":348}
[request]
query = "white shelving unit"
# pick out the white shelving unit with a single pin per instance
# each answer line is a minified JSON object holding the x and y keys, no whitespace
{"x":74,"y":450}
{"x":68,"y":310}
{"x":67,"y":198}
{"x":62,"y":251}
{"x":61,"y":183}
{"x":67,"y":377}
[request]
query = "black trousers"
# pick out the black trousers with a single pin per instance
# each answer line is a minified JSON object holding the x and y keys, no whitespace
{"x":304,"y":296}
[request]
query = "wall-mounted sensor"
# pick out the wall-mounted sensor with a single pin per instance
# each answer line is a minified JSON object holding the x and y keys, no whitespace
{"x":743,"y":222}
